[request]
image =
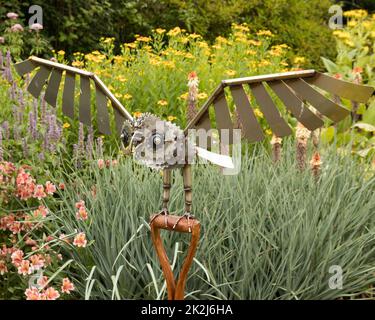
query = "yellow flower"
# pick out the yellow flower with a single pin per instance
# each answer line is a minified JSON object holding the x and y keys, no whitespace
{"x":174,"y":32}
{"x":189,"y":56}
{"x":350,"y":43}
{"x":264,"y":63}
{"x":108,"y":40}
{"x":202,"y":95}
{"x":137,"y":114}
{"x":171,"y":118}
{"x":241,"y":27}
{"x":162,"y":102}
{"x":358,"y":14}
{"x":258,"y":113}
{"x":299,"y":60}
{"x":269,"y":132}
{"x":230,"y":72}
{"x":131,"y":45}
{"x":266,"y":33}
{"x":221,"y":40}
{"x":202,"y":44}
{"x":122,"y":79}
{"x":169,"y":64}
{"x":194,"y":36}
{"x":160,"y":30}
{"x":255,"y":43}
{"x":77,"y":64}
{"x":352,"y":23}
{"x":251,"y":52}
{"x":118,"y":95}
{"x":66,"y":125}
{"x":143,"y":39}
{"x":184,"y":96}
{"x":127,"y":96}
{"x":61,"y":52}
{"x":119,"y":59}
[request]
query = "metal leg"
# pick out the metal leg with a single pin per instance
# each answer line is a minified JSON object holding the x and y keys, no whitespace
{"x":187,"y":178}
{"x":167,"y":175}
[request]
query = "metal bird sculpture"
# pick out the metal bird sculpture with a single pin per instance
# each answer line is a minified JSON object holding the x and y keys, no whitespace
{"x":298,"y":91}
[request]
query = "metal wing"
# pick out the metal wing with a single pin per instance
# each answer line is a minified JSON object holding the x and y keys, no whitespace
{"x":293,"y":89}
{"x":51,"y":74}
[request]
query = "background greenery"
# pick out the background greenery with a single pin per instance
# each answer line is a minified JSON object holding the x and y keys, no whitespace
{"x":77,"y":25}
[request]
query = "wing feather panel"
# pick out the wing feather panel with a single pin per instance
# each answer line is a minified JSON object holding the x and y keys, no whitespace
{"x":270,"y":111}
{"x":52,"y":73}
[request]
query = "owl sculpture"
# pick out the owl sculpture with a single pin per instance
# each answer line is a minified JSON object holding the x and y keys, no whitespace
{"x":162,"y":145}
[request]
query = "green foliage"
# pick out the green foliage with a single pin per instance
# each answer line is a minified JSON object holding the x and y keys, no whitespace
{"x":271,"y":232}
{"x":355,"y":62}
{"x":77,"y":25}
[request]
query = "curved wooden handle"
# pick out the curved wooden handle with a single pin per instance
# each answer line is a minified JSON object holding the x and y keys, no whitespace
{"x":175,"y":292}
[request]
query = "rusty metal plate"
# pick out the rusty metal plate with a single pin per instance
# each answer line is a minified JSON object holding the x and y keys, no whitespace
{"x":343,"y":89}
{"x":36,"y":85}
{"x":85,"y":101}
{"x":53,"y":87}
{"x":102,"y":112}
{"x":119,"y":119}
{"x":222,"y":115}
{"x":277,"y":123}
{"x":24,"y":67}
{"x":250,"y":126}
{"x":325,"y":106}
{"x":68,"y":95}
{"x":296,"y":106}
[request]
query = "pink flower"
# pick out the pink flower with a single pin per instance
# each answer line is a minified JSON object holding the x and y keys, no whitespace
{"x":16,"y":28}
{"x":39,"y":192}
{"x":25,"y":268}
{"x":2,"y":40}
{"x":12,"y":15}
{"x":32,"y":294}
{"x":42,"y":281}
{"x":37,"y":261}
{"x":61,"y":186}
{"x":192,"y":75}
{"x":42,"y":211}
{"x":36,"y":27}
{"x":50,"y":188}
{"x":3,"y":267}
{"x":17,"y":257}
{"x":67,"y":286}
{"x":30,"y":242}
{"x":82,"y":214}
{"x":80,"y":204}
{"x":51,"y":294}
{"x":80,"y":240}
{"x":15,"y":227}
{"x":101,"y":163}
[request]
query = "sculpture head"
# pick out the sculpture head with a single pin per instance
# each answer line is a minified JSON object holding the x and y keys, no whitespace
{"x":154,"y":142}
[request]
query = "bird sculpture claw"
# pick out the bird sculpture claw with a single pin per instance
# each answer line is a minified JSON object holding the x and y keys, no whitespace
{"x":164,"y":212}
{"x":186,"y":215}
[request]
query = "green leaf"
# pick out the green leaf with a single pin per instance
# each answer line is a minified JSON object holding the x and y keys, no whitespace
{"x":365,"y":126}
{"x":327,"y":135}
{"x":330,"y":65}
{"x":369,"y":114}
